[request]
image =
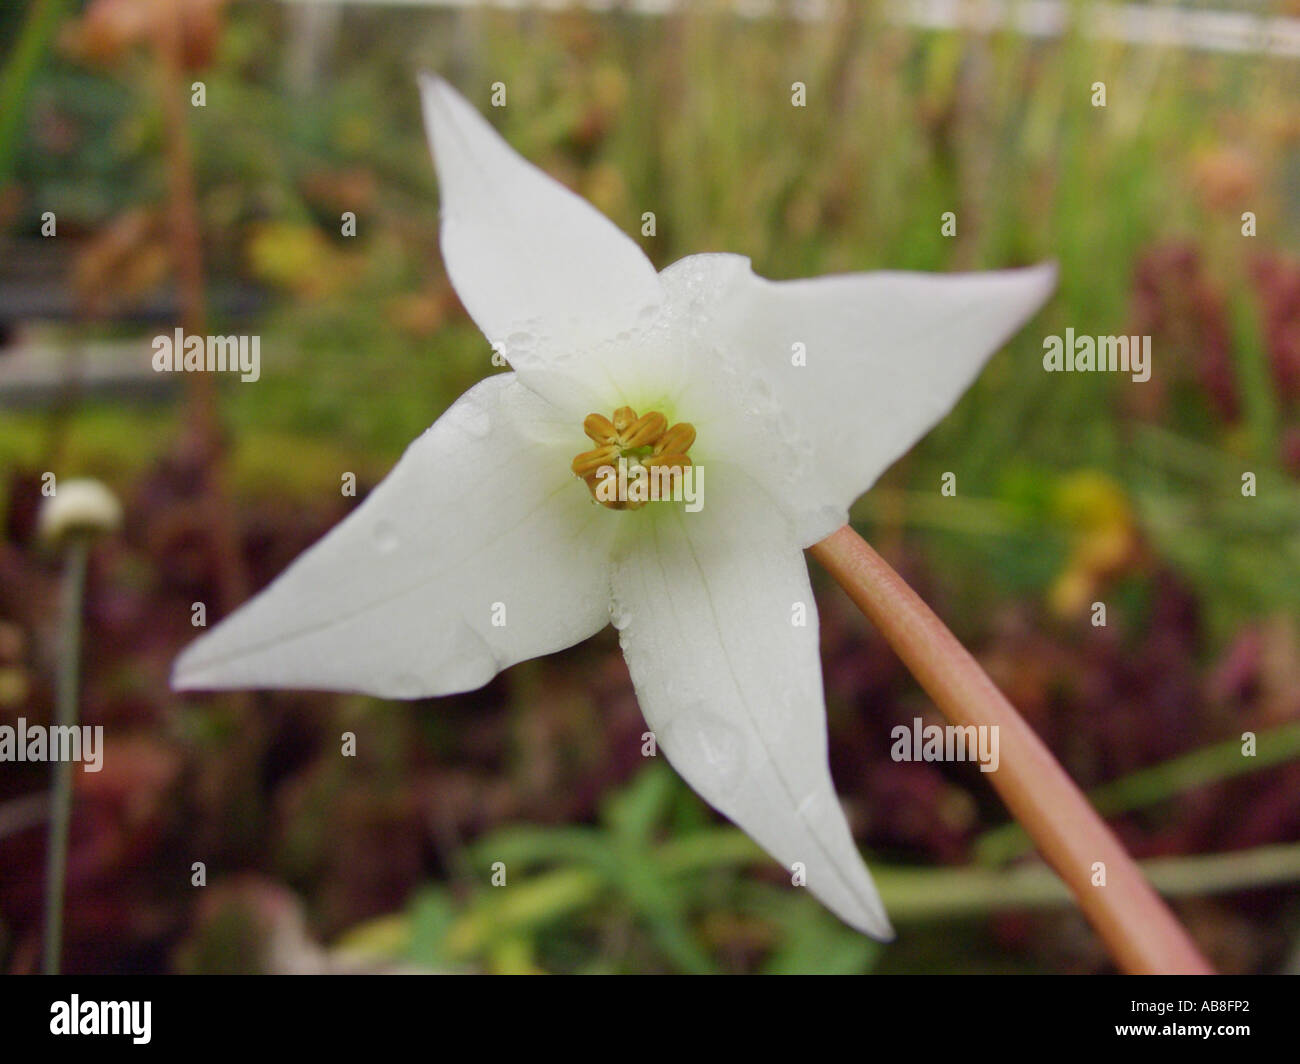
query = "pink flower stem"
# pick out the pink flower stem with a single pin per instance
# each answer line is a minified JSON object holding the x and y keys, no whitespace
{"x":1139,"y":931}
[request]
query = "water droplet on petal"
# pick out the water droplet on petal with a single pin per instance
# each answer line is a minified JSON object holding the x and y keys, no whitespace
{"x":407,"y":685}
{"x":809,"y":808}
{"x":706,"y":742}
{"x":619,"y":615}
{"x":385,"y":537}
{"x":463,"y":659}
{"x":476,"y":423}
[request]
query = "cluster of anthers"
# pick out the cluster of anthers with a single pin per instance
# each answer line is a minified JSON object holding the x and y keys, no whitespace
{"x":644,"y":441}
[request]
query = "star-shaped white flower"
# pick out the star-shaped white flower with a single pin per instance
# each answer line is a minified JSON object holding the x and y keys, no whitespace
{"x":482,"y":548}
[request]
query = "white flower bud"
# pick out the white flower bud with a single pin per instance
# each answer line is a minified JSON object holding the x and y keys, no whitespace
{"x":79,"y":505}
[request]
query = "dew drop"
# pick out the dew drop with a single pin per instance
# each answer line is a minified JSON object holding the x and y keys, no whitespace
{"x":476,"y":423}
{"x":385,"y":537}
{"x":619,"y":615}
{"x":704,"y":740}
{"x":464,"y":659}
{"x":406,"y":685}
{"x":810,"y":807}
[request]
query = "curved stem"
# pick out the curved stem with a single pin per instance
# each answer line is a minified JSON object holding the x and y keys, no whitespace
{"x":1137,"y":927}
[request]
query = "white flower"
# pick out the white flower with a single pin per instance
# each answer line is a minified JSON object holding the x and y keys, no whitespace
{"x":483,"y":521}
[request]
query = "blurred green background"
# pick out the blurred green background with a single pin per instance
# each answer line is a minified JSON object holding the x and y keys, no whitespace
{"x":1072,"y":488}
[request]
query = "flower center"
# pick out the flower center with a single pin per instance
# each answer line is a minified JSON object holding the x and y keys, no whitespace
{"x":636,"y":459}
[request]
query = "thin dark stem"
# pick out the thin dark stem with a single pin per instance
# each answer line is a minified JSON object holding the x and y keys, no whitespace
{"x":56,"y":853}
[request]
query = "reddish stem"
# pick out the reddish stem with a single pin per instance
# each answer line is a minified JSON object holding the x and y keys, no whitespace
{"x":205,"y":444}
{"x":1137,"y":927}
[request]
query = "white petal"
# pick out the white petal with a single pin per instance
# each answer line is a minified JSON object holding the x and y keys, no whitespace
{"x":886,"y":355}
{"x":537,"y":267}
{"x":481,"y":521}
{"x":731,"y":686}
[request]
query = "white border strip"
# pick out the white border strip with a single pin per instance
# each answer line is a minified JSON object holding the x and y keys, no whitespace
{"x":1236,"y":32}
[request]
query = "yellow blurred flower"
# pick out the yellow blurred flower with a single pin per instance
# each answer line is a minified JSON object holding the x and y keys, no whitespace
{"x":603,"y":186}
{"x":1103,"y":537}
{"x":298,"y":258}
